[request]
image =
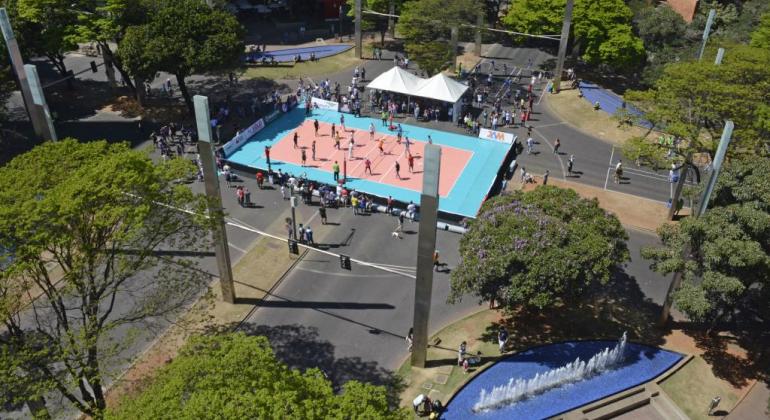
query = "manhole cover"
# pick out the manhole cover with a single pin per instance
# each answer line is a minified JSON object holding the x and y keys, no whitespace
{"x":441,"y":379}
{"x":427,"y":385}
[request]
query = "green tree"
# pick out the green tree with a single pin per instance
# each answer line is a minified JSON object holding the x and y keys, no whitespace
{"x":760,"y":38}
{"x":426,"y":25}
{"x":183,"y":38}
{"x":693,"y":99}
{"x":659,"y":26}
{"x":601,"y":29}
{"x":92,"y":229}
{"x":235,"y":376}
{"x":727,"y":267}
{"x":375,"y":22}
{"x":537,"y":248}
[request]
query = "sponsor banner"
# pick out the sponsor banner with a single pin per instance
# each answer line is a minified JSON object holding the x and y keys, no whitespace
{"x":243,"y":137}
{"x":324,"y":104}
{"x":500,"y":136}
{"x":272,"y":116}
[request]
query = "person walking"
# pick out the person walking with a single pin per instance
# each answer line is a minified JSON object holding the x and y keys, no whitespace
{"x":239,"y":195}
{"x":371,"y":132}
{"x":400,"y":225}
{"x":523,"y":173}
{"x":336,"y":170}
{"x":570,"y":163}
{"x":316,"y":125}
{"x":410,"y":339}
{"x":389,"y":205}
{"x":303,"y":156}
{"x":312,"y":149}
{"x":545,"y":177}
{"x":368,"y":166}
{"x":502,"y":339}
{"x":246,"y":197}
{"x":322,"y":213}
{"x":556,"y":146}
{"x":410,"y":161}
{"x":309,"y":235}
{"x":618,"y":172}
{"x":296,"y":138}
{"x":398,"y":168}
{"x":436,"y":263}
{"x":260,"y":179}
{"x":530,"y":145}
{"x":381,"y":146}
{"x":284,"y":192}
{"x":267,"y":156}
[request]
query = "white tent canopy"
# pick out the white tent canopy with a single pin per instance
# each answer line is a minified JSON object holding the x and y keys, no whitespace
{"x":442,"y":88}
{"x":397,"y":80}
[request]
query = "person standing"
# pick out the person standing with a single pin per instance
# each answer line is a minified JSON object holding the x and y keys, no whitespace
{"x":502,"y":339}
{"x":337,"y":140}
{"x":400,"y":225}
{"x":410,"y":160}
{"x":430,"y":139}
{"x":545,"y":177}
{"x":384,"y":118}
{"x":246,"y":197}
{"x":381,"y":146}
{"x":336,"y":170}
{"x":351,"y":145}
{"x":556,"y":146}
{"x":334,"y":130}
{"x":461,"y":353}
{"x":309,"y":235}
{"x":389,"y":205}
{"x":312,"y":149}
{"x":239,"y":195}
{"x":354,"y":204}
{"x":303,"y":156}
{"x":435,"y":260}
{"x":530,"y":145}
{"x":410,"y":339}
{"x":406,"y":144}
{"x":570,"y":163}
{"x":316,"y":125}
{"x":523,"y":173}
{"x":260,"y":179}
{"x":342,"y":122}
{"x":296,"y":138}
{"x":371,"y":132}
{"x":322,"y":213}
{"x":368,"y":166}
{"x":398,"y":168}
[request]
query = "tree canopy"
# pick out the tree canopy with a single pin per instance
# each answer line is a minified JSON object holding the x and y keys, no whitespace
{"x":693,"y":99}
{"x":235,"y":376}
{"x":426,"y":26}
{"x":537,"y":248}
{"x":86,"y":225}
{"x":660,"y":26}
{"x":601,"y":30}
{"x":728,"y":263}
{"x":760,"y":38}
{"x":183,"y":38}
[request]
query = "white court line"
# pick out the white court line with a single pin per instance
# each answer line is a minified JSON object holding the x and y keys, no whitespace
{"x":236,"y":248}
{"x":366,"y":156}
{"x":403,"y":267}
{"x":542,"y":94}
{"x":558,"y":156}
{"x":612,"y":154}
{"x":392,"y":167}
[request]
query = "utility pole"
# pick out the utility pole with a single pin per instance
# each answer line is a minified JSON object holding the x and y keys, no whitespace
{"x":359,"y":45}
{"x":719,"y":158}
{"x":453,"y":44}
{"x":706,"y":32}
{"x":391,"y":22}
{"x":39,"y":102}
{"x":211,"y":181}
{"x":426,"y":245}
{"x":479,"y":25}
{"x":18,"y":67}
{"x":563,"y":45}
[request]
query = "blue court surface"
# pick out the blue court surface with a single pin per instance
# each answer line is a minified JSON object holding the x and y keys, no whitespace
{"x":288,"y":54}
{"x":467,"y":194}
{"x":609,"y":102}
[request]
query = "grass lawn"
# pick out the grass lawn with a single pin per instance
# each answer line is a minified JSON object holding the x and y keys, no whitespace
{"x":693,"y":387}
{"x":323,"y":66}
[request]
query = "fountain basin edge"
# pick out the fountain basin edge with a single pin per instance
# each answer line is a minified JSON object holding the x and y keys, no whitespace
{"x":643,"y":364}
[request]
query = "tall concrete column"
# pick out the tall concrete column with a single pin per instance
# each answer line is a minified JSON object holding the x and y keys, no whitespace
{"x":426,"y":245}
{"x":453,"y":44}
{"x":38,"y":99}
{"x":391,"y":22}
{"x":211,"y":181}
{"x":479,"y":23}
{"x":359,"y":45}
{"x":34,"y":114}
{"x":563,"y":45}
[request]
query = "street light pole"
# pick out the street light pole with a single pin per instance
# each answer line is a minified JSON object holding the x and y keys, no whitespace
{"x":563,"y":45}
{"x":706,"y":32}
{"x":18,"y":67}
{"x":357,"y":27}
{"x":211,"y":181}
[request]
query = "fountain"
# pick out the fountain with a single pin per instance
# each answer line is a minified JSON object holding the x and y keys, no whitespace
{"x":518,"y":389}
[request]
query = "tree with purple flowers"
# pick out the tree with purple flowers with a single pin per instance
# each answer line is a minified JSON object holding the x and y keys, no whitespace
{"x":537,"y":248}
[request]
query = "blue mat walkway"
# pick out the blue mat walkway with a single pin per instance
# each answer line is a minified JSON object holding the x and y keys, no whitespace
{"x":609,"y":102}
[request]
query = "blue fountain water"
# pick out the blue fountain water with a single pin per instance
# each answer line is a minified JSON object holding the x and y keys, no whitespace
{"x":641,"y":364}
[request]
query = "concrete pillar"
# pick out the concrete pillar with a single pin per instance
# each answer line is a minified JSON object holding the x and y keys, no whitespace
{"x":426,"y":245}
{"x":211,"y":181}
{"x":38,"y":100}
{"x":359,"y":45}
{"x":35,"y":114}
{"x":563,"y":46}
{"x":479,"y":23}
